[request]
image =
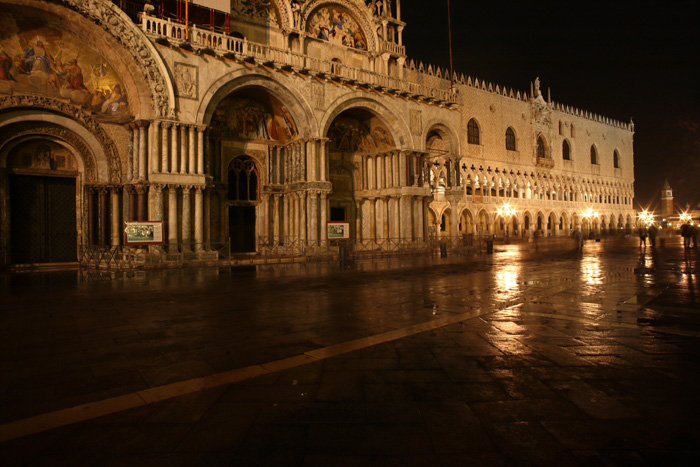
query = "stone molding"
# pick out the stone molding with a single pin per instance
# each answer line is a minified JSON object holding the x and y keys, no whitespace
{"x":77,"y":114}
{"x":36,"y":128}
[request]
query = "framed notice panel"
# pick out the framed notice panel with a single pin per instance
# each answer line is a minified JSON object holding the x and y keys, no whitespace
{"x":143,"y":233}
{"x":338,"y":230}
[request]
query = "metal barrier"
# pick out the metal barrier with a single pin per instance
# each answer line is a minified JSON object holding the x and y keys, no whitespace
{"x":277,"y":250}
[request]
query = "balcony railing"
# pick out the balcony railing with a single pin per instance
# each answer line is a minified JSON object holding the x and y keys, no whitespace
{"x":203,"y":40}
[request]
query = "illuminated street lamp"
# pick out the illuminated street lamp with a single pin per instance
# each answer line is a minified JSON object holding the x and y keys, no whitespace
{"x":506,"y":211}
{"x":685,"y":217}
{"x":589,"y":214}
{"x":646,"y":218}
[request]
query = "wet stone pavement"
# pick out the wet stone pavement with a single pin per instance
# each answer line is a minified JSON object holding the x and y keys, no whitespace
{"x":536,"y":355}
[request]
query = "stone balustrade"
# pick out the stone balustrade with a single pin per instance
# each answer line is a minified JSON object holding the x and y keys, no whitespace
{"x":243,"y":49}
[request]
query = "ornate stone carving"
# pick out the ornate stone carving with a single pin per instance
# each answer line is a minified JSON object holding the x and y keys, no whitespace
{"x":40,"y":128}
{"x":76,"y":113}
{"x":186,"y":80}
{"x":360,"y":15}
{"x":118,"y":24}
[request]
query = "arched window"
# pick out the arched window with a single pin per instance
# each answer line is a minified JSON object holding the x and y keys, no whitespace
{"x":616,"y":159}
{"x":472,"y":132}
{"x":541,"y":154}
{"x":242,"y":180}
{"x":566,"y":151}
{"x":510,"y":139}
{"x":594,"y":155}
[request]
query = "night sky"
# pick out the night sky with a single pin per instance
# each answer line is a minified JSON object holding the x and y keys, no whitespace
{"x":619,"y":59}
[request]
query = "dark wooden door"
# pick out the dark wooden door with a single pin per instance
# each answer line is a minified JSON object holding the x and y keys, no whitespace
{"x":42,"y":219}
{"x":241,"y":228}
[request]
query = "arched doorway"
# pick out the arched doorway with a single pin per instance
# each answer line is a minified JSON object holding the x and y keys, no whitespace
{"x":243,"y":195}
{"x":361,"y":157}
{"x":42,"y":185}
{"x":466,"y":223}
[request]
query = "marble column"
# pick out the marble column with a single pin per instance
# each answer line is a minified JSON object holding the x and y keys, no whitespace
{"x":312,"y":217}
{"x":116,"y":225}
{"x":192,"y":163}
{"x":285,"y":220}
{"x":91,"y":216}
{"x":104,"y":231}
{"x":143,"y":150}
{"x":264,"y":216}
{"x":276,"y":218}
{"x":142,"y":202}
{"x":174,"y":148}
{"x":311,"y":174}
{"x":165,"y":156}
{"x":133,"y":162}
{"x":379,"y":160}
{"x":324,"y":216}
{"x":323,"y":156}
{"x":389,"y":170}
{"x":385,"y":217}
{"x":373,"y":218}
{"x":155,"y":192}
{"x":303,"y":233}
{"x":198,"y":219}
{"x":186,"y":218}
{"x":130,"y":202}
{"x":420,"y":218}
{"x":207,"y":219}
{"x":172,"y":218}
{"x":183,"y":149}
{"x":358,"y":221}
{"x":200,"y":149}
{"x":155,"y":145}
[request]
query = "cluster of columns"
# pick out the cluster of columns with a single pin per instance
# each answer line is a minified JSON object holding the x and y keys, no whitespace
{"x":298,"y":214}
{"x":165,"y":147}
{"x":392,"y":169}
{"x":400,"y":217}
{"x":302,"y":160}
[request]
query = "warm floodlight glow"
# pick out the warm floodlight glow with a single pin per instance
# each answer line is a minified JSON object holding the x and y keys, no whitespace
{"x":506,"y":211}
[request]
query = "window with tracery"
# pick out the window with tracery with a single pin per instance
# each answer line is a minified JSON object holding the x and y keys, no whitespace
{"x":473,"y":132}
{"x":566,"y":151}
{"x":243,"y":180}
{"x":510,"y":139}
{"x":594,"y":155}
{"x":616,"y":159}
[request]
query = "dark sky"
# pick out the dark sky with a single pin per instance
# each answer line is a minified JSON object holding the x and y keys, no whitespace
{"x":617,"y":58}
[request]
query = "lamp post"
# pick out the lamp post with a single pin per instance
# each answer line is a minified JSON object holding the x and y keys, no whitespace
{"x":506,"y":211}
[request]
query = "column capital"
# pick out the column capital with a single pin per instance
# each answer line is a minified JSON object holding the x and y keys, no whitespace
{"x":166,"y":124}
{"x":130,"y":189}
{"x":102,"y":189}
{"x":186,"y":188}
{"x":142,"y":123}
{"x":157,"y":187}
{"x":141,"y":189}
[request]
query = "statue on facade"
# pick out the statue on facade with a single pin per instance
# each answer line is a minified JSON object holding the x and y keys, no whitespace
{"x":296,"y":14}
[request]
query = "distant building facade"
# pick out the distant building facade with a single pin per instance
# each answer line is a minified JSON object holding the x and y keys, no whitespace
{"x":256,"y":136}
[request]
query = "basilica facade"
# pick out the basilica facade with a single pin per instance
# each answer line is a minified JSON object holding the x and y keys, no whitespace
{"x":257,"y":134}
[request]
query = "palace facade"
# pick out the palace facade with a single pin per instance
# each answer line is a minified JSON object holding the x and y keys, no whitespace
{"x":257,"y":134}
